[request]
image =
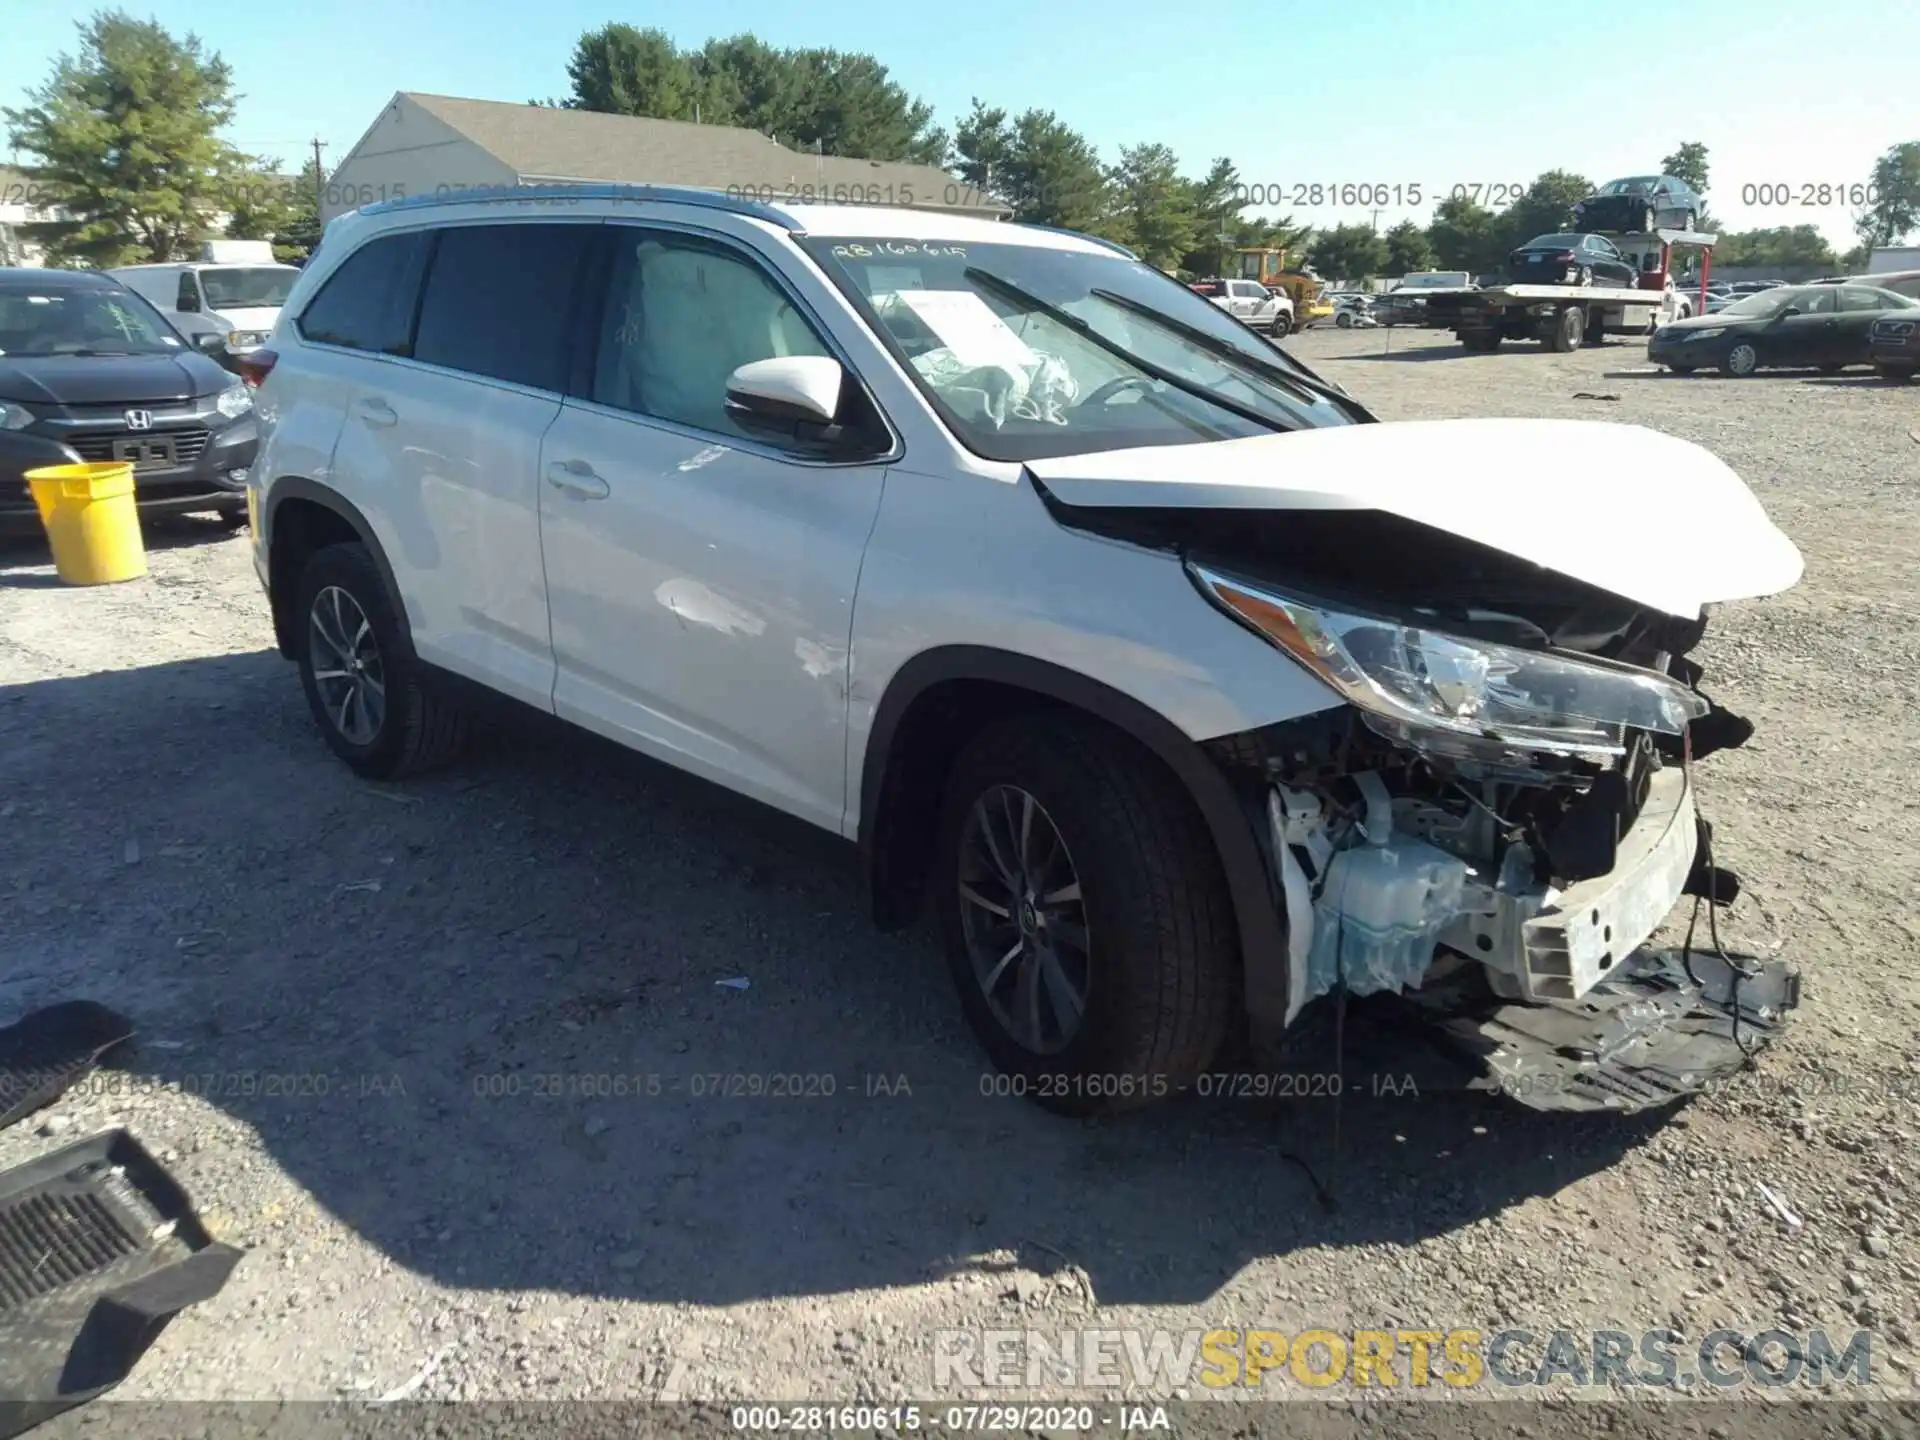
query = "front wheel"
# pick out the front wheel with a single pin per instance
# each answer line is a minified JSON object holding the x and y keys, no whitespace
{"x":1741,"y":360}
{"x":1344,"y":320}
{"x":1281,"y":327}
{"x":1084,"y":915}
{"x":368,"y":692}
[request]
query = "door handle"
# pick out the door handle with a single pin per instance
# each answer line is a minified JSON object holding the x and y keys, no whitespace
{"x":577,"y":477}
{"x":376,"y":412}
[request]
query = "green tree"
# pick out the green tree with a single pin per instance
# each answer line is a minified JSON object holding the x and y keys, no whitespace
{"x":261,"y":205}
{"x":1408,"y":249}
{"x":1688,"y":163}
{"x":295,"y":240}
{"x":1895,"y":209}
{"x":126,"y":139}
{"x":1153,"y":205}
{"x":1465,"y":235}
{"x":1214,"y":200}
{"x":1046,"y":172}
{"x":835,"y":101}
{"x":1349,"y":252}
{"x":1546,"y":206}
{"x":623,"y":70}
{"x":1778,"y":247}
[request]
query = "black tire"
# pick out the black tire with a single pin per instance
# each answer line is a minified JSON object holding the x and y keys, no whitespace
{"x":1483,"y":342}
{"x":1282,"y":326}
{"x":1162,"y":952}
{"x":419,"y":727}
{"x":1898,"y":374}
{"x":1344,"y":320}
{"x":234,"y":518}
{"x":1566,"y":330}
{"x":1596,"y":331}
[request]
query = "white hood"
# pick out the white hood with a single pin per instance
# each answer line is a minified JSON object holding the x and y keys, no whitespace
{"x":1653,"y":519}
{"x":251,"y":317}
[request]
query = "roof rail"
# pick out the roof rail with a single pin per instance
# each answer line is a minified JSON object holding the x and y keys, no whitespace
{"x":1100,"y":240}
{"x":656,"y":194}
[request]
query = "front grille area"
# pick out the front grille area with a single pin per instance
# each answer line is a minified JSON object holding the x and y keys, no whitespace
{"x":148,"y":449}
{"x":49,"y":1241}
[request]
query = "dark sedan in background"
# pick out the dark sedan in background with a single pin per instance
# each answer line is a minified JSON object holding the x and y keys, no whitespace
{"x":90,"y":371}
{"x":1639,"y":204}
{"x":1824,"y":327}
{"x":1571,"y":260}
{"x":1894,"y":343}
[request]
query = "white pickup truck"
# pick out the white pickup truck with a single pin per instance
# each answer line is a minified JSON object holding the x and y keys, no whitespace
{"x":1251,"y":303}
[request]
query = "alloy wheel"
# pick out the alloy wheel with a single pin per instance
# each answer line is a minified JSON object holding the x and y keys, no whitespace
{"x":1743,"y":359}
{"x":347,"y":669}
{"x":1024,"y":921}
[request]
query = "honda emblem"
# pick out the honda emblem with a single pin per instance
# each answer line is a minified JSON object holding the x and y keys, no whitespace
{"x":139,"y":419}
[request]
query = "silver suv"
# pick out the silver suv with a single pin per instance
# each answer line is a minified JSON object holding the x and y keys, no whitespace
{"x":1182,"y":691}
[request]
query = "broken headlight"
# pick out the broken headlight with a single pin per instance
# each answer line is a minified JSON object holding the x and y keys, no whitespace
{"x":1420,"y":679}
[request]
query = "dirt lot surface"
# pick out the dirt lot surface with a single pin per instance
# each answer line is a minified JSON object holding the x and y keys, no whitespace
{"x":400,"y":1043}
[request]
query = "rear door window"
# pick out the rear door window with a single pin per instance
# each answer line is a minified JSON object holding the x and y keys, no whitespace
{"x":368,"y":303}
{"x":498,"y":300}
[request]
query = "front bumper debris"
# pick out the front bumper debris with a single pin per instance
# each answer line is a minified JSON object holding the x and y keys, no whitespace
{"x":1646,"y":1036}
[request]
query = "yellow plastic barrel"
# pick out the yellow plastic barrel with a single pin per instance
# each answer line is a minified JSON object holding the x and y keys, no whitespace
{"x":91,"y":522}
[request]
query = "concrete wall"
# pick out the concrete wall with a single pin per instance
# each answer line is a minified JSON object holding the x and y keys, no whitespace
{"x":408,"y":152}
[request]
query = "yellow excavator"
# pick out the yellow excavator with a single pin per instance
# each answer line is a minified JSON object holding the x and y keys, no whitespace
{"x":1302,"y":286}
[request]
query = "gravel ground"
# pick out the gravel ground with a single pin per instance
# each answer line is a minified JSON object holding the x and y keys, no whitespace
{"x":356,"y":1004}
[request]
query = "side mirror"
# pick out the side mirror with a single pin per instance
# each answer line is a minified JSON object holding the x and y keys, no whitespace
{"x":1789,"y":312}
{"x":787,"y":394}
{"x":210,"y":342}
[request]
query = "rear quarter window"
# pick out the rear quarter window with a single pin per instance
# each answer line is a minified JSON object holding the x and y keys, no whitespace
{"x":368,"y":303}
{"x":498,"y":299}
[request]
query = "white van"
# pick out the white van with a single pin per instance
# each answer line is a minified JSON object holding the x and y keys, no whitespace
{"x":231,"y":293}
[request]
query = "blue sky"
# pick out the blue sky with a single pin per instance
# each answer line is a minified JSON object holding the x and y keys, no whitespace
{"x":1389,"y":93}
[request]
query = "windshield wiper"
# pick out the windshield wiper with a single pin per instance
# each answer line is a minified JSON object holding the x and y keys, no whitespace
{"x":1010,"y":291}
{"x":1287,"y":374}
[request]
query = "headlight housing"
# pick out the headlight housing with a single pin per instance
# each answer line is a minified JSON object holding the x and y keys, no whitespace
{"x":1406,"y":679}
{"x":15,"y":417}
{"x":234,"y":401}
{"x":245,"y":339}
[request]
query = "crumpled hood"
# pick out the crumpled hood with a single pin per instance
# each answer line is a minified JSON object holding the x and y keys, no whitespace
{"x":1653,"y":519}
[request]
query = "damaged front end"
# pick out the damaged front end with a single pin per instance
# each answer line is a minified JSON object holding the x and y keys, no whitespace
{"x":1495,"y":826}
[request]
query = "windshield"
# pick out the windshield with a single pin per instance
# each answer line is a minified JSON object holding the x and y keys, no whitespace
{"x":247,"y":287}
{"x":80,"y":321}
{"x":1762,"y":303}
{"x":1025,"y":357}
{"x":1554,"y":242}
{"x":1639,"y":186}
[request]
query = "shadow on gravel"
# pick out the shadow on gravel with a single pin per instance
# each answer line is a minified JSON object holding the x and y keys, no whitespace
{"x":27,"y":564}
{"x":477,"y":1018}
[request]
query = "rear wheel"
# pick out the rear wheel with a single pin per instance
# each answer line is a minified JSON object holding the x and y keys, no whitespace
{"x":368,"y":692}
{"x":1586,"y":275}
{"x":1596,"y":331}
{"x":1741,"y":359}
{"x":1344,"y":320}
{"x":1084,"y":914}
{"x":1566,"y":329}
{"x":1484,"y":342}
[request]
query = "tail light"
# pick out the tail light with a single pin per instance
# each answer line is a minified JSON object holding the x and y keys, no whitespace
{"x":1564,"y":255}
{"x":255,"y":368}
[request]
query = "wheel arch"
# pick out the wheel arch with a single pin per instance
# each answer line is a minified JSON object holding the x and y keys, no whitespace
{"x":941,"y":696}
{"x":300,"y":517}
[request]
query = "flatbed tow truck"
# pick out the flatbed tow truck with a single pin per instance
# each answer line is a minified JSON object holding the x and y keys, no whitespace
{"x":1564,"y":317}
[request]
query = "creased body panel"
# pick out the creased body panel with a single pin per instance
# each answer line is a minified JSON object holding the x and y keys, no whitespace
{"x":967,"y":560}
{"x":1645,"y":516}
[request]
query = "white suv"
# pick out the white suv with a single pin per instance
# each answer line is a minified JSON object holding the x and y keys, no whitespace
{"x":1251,"y":303}
{"x":1183,"y":690}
